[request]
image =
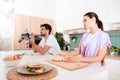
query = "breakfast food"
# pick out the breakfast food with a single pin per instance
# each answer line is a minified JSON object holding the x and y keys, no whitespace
{"x":10,"y":58}
{"x":34,"y":67}
{"x":58,"y":58}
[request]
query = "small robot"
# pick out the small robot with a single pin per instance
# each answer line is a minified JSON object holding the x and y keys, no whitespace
{"x":24,"y":33}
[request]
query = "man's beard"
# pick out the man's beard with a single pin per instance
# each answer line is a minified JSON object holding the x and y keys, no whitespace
{"x":43,"y":34}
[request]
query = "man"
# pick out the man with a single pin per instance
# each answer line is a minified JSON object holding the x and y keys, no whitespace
{"x":48,"y":44}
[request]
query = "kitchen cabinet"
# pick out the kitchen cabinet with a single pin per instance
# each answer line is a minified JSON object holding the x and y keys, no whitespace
{"x":113,"y":69}
{"x":32,"y":23}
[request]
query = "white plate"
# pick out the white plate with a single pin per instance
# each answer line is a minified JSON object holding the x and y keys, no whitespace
{"x":22,"y":69}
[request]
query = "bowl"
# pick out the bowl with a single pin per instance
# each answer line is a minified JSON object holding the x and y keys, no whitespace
{"x":12,"y":60}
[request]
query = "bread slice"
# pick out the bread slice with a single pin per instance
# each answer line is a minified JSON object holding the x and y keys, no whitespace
{"x":58,"y":58}
{"x":35,"y":67}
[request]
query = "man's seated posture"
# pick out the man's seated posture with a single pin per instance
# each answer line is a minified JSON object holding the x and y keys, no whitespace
{"x":48,"y":44}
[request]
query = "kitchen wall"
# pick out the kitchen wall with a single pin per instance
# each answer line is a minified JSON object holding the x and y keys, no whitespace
{"x":114,"y":11}
{"x":40,"y":8}
{"x":70,"y":12}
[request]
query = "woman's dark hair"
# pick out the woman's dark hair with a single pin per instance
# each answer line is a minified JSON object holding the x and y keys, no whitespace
{"x":47,"y":27}
{"x":99,"y":23}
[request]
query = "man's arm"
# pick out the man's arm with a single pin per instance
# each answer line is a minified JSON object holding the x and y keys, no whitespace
{"x":38,"y":48}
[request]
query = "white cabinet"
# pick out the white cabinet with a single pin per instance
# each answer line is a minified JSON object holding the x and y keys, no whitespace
{"x":113,"y":67}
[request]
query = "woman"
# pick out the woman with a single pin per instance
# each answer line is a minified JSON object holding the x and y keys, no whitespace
{"x":93,"y":45}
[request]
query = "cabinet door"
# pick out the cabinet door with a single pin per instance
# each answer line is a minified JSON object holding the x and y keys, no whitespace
{"x":113,"y":69}
{"x":30,"y":22}
{"x":113,"y":66}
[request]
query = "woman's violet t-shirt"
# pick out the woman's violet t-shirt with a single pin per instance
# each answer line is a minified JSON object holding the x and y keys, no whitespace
{"x":99,"y":41}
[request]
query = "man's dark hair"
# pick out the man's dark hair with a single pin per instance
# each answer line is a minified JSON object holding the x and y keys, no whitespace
{"x":47,"y":27}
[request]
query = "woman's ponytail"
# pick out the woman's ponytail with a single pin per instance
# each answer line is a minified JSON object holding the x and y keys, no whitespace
{"x":100,"y":25}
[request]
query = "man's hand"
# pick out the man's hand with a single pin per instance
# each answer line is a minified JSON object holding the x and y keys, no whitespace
{"x":26,"y":37}
{"x":32,"y":40}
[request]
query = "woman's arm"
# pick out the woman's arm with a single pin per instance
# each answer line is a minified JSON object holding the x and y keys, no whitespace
{"x":98,"y":58}
{"x":72,"y":53}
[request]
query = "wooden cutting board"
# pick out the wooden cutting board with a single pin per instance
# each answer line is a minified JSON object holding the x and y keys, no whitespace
{"x":70,"y":66}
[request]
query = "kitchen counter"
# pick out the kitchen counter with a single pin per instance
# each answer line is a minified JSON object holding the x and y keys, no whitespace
{"x":116,"y":57}
{"x":88,"y":73}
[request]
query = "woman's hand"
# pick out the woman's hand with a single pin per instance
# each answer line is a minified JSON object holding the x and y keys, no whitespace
{"x":73,"y":59}
{"x":61,"y":54}
{"x":65,"y":55}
